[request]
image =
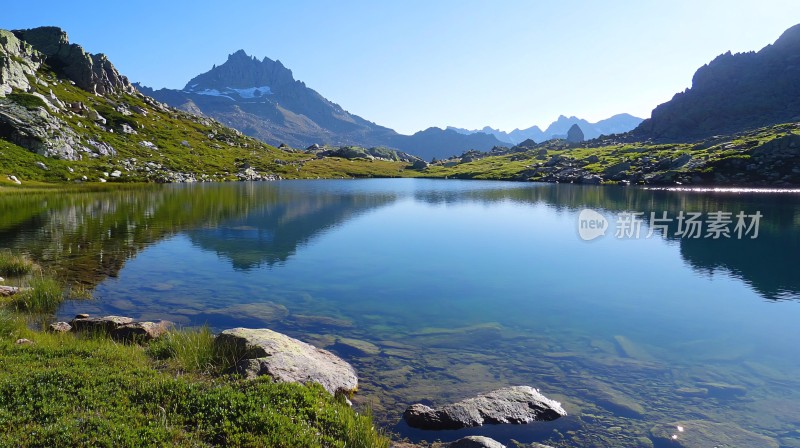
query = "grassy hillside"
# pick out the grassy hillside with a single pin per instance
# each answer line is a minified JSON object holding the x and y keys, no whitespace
{"x":183,"y":145}
{"x":765,"y":157}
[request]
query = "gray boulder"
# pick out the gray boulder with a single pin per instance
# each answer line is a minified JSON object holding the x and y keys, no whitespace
{"x":141,"y":331}
{"x":516,"y":405}
{"x":419,"y":165}
{"x":105,"y":324}
{"x":285,"y":359}
{"x":59,"y":327}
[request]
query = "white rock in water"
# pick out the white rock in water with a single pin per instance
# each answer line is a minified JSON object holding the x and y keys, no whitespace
{"x":515,"y":405}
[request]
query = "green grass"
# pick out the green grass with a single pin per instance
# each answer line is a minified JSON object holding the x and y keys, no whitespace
{"x":87,"y":390}
{"x":26,"y":100}
{"x":43,"y":295}
{"x":66,"y":391}
{"x":14,"y":265}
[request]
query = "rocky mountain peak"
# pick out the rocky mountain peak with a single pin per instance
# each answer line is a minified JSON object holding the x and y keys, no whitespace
{"x":242,"y":71}
{"x":91,"y":72}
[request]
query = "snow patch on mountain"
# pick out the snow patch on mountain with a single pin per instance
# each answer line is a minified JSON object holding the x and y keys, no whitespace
{"x":229,"y":92}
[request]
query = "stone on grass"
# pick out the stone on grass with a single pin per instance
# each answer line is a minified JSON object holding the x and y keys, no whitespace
{"x":141,"y":331}
{"x":105,"y":324}
{"x":60,"y":327}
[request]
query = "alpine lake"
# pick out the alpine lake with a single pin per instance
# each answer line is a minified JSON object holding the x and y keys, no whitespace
{"x":438,"y":290}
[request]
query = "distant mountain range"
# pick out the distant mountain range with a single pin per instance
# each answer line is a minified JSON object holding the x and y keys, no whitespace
{"x":262,"y":99}
{"x":732,"y":93}
{"x":617,"y":124}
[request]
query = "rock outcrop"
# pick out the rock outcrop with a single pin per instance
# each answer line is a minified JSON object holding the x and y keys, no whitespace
{"x":516,"y":405}
{"x":35,"y":129}
{"x":575,"y":134}
{"x":732,"y":93}
{"x":18,"y":61}
{"x":91,"y":72}
{"x":285,"y":359}
{"x":35,"y":121}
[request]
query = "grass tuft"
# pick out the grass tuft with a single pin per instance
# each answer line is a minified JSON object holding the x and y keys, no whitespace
{"x":187,"y":350}
{"x":13,"y":265}
{"x":43,"y":295}
{"x":11,"y":325}
{"x":80,"y":291}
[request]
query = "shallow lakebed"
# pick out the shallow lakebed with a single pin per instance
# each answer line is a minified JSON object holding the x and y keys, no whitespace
{"x":438,"y":290}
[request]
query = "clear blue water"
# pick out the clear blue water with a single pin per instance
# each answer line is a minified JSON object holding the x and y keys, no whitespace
{"x":461,"y":287}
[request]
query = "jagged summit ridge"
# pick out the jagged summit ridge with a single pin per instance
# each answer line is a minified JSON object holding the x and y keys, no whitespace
{"x":262,"y":99}
{"x":242,"y":71}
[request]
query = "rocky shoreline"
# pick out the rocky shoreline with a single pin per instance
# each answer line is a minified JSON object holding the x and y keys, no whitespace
{"x":263,"y":352}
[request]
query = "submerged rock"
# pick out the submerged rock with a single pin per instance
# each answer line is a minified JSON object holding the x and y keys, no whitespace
{"x":363,"y":347}
{"x":516,"y":405}
{"x":616,"y":401}
{"x":285,"y":359}
{"x":702,"y":434}
{"x":476,"y":442}
{"x":723,"y":390}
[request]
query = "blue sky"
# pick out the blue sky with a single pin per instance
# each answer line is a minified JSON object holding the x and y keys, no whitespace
{"x":414,"y":64}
